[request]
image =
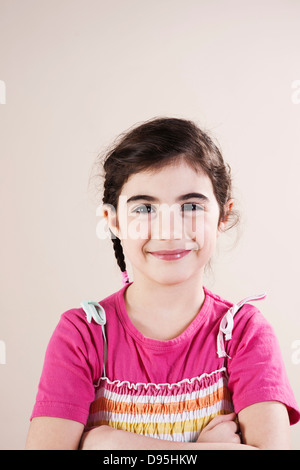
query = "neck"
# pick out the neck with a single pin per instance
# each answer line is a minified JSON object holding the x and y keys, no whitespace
{"x":163,"y":311}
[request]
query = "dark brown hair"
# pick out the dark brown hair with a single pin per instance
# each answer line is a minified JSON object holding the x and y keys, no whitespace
{"x":153,"y":145}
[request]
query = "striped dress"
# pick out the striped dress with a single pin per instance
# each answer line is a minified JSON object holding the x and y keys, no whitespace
{"x":172,"y":411}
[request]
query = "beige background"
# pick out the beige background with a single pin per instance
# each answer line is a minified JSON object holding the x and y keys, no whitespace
{"x":79,"y":72}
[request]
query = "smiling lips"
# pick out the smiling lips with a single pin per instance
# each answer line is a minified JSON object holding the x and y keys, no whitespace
{"x":170,"y":255}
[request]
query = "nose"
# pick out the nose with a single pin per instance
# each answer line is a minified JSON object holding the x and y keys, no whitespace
{"x":168,"y":223}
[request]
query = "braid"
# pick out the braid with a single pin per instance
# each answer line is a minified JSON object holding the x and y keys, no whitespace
{"x":119,"y":254}
{"x":109,"y":196}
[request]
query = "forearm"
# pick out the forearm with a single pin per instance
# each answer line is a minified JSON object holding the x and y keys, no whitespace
{"x":106,"y":437}
{"x":127,"y":440}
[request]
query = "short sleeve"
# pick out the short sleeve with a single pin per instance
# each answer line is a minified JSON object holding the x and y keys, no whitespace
{"x":255,"y":367}
{"x":72,"y":364}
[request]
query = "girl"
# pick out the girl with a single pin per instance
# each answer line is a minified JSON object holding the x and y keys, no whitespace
{"x":164,"y":363}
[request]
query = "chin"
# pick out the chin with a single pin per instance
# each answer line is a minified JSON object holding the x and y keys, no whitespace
{"x":170,"y":280}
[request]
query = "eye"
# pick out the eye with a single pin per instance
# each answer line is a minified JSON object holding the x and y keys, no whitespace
{"x":143,"y":209}
{"x":192,"y":207}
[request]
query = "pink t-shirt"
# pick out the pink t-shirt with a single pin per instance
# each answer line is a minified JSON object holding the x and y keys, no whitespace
{"x":165,"y":389}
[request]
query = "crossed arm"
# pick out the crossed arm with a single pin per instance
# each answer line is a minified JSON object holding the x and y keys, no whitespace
{"x":263,"y":425}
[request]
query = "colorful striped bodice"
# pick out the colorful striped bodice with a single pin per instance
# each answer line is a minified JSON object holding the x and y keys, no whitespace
{"x":177,"y":411}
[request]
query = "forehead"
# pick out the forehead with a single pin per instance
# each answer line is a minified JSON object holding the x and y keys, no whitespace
{"x":169,"y":182}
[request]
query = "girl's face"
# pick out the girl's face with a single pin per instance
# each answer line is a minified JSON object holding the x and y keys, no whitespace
{"x":170,"y":210}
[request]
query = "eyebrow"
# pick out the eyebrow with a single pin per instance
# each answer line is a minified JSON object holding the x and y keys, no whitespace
{"x":183,"y":197}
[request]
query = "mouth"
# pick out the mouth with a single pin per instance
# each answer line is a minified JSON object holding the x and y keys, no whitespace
{"x":170,"y":255}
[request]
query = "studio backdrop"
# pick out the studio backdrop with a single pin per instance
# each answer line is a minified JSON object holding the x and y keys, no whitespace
{"x":74,"y":74}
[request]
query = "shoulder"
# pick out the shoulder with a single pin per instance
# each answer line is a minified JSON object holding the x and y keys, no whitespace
{"x":236,"y":322}
{"x":250,"y":321}
{"x":217,"y":299}
{"x":252,"y":333}
{"x":216,"y":305}
{"x":243,"y":310}
{"x":73,"y":323}
{"x":79,"y":318}
{"x":77,"y":326}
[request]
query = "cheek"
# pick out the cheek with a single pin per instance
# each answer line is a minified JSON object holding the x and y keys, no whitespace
{"x":195,"y":227}
{"x":133,"y":249}
{"x":206,"y":233}
{"x":135,"y":228}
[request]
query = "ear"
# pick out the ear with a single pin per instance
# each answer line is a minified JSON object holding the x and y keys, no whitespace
{"x":227,"y":210}
{"x":110,"y":215}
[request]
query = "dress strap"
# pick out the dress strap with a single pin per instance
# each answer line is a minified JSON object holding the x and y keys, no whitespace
{"x":95,"y":311}
{"x":226,"y":325}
